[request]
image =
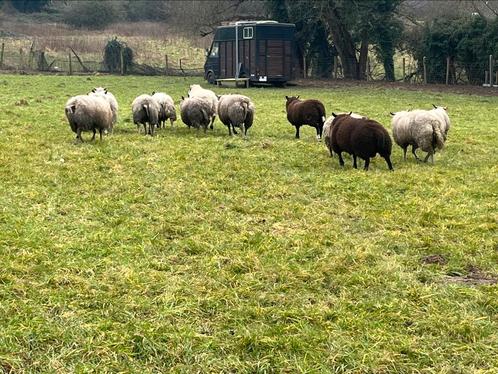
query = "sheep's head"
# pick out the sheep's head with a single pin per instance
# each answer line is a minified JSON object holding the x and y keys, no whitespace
{"x":440,"y":107}
{"x":290,"y":99}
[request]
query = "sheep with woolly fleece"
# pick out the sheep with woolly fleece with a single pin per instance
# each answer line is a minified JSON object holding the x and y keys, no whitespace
{"x":442,"y":113}
{"x":167,"y":105}
{"x":305,"y":112}
{"x":88,"y":113}
{"x":196,"y":112}
{"x":236,"y":111}
{"x":196,"y":90}
{"x":360,"y":137}
{"x":145,"y":111}
{"x":420,"y":129}
{"x":101,"y":91}
{"x":327,"y":129}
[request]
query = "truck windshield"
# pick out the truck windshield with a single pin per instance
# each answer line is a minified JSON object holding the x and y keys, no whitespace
{"x":214,"y":50}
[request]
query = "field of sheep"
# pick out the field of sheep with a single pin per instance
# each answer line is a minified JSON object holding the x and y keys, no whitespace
{"x":193,"y":252}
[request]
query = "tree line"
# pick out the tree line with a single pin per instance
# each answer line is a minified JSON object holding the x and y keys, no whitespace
{"x":462,"y":30}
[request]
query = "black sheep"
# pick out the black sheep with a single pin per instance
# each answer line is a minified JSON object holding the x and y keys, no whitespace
{"x":362,"y":138}
{"x":305,"y":112}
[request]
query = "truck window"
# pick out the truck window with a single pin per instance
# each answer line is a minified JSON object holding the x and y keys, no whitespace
{"x":247,"y":33}
{"x":214,"y":50}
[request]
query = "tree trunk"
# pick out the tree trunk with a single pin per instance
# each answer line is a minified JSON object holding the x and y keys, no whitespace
{"x":344,"y":44}
{"x":362,"y":65}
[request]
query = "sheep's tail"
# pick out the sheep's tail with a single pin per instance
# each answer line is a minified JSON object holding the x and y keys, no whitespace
{"x":437,"y":135}
{"x":245,"y":108}
{"x":384,"y":144}
{"x":205,"y":115}
{"x":147,"y":110}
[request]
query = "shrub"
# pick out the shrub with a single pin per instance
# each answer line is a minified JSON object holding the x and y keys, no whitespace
{"x":112,"y":56}
{"x":91,"y":14}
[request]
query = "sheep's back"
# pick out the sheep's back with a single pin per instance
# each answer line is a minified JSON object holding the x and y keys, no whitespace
{"x":305,"y":112}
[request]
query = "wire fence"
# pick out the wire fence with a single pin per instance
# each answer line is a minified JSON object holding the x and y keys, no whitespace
{"x":30,"y":60}
{"x":406,"y":68}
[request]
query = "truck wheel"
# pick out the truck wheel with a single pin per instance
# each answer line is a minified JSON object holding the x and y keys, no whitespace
{"x":210,"y":78}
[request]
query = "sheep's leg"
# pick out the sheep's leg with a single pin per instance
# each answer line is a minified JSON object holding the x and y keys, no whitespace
{"x":404,"y":153}
{"x":388,"y":160}
{"x":429,"y":154}
{"x":367,"y":163}
{"x":297,"y":132}
{"x":234,"y":131}
{"x":414,"y":148}
{"x":151,"y":128}
{"x":243,"y":130}
{"x":341,"y":161}
{"x":101,"y":132}
{"x":93,"y":137}
{"x":145,"y":128}
{"x":318,"y":133}
{"x":211,"y":126}
{"x":229,"y":129}
{"x":354,"y":162}
{"x":78,"y":135}
{"x":171,"y":120}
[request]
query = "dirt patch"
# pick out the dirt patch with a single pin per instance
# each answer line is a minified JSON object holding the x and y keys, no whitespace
{"x":434,"y":259}
{"x":344,"y":83}
{"x":6,"y":368}
{"x":474,"y":277}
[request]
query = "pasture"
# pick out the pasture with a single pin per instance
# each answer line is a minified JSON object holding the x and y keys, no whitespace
{"x":188,"y":252}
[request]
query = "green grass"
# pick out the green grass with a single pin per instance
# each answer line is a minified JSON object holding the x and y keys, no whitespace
{"x":203,"y":253}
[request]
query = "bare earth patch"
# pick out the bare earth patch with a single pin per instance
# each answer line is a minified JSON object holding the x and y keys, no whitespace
{"x":475,"y":277}
{"x":434,"y":259}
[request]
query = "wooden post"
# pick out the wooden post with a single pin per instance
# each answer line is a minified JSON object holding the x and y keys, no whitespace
{"x":447,"y":70}
{"x":367,"y":75}
{"x":21,"y":62}
{"x":304,"y":67}
{"x":335,"y":67}
{"x":490,"y":70}
{"x":486,"y":77}
{"x":424,"y":60}
{"x":121,"y":60}
{"x":70,"y":65}
{"x":166,"y":63}
{"x":404,"y":68}
{"x":1,"y":55}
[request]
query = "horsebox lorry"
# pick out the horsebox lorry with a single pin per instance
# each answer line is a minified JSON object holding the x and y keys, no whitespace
{"x":261,"y":51}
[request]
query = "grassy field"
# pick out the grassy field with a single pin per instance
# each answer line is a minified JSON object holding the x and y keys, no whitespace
{"x":203,"y":253}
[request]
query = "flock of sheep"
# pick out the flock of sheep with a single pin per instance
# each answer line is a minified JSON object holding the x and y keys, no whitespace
{"x":352,"y":133}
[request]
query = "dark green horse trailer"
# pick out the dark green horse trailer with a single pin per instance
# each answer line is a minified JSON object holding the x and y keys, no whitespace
{"x":262,"y":51}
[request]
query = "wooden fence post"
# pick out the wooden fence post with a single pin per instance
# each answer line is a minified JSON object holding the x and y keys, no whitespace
{"x":1,"y":55}
{"x":447,"y":70}
{"x":21,"y":62}
{"x":335,"y":67}
{"x":121,"y":60}
{"x":490,"y":70}
{"x":166,"y":64}
{"x":404,"y":68}
{"x":424,"y":60}
{"x":305,"y":73}
{"x":486,"y":78}
{"x":70,"y":65}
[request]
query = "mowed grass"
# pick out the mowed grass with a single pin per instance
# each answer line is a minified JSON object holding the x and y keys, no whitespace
{"x":188,"y":252}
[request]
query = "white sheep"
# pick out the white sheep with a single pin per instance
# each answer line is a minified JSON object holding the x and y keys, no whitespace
{"x":145,"y":111}
{"x":101,"y":91}
{"x":236,"y":111}
{"x":167,"y":105}
{"x":327,"y":129}
{"x":196,"y":90}
{"x":196,"y":112}
{"x":88,"y":113}
{"x":442,"y":113}
{"x":420,"y":129}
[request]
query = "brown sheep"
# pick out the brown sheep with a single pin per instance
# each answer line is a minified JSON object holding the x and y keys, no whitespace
{"x":360,"y":137}
{"x":305,"y":112}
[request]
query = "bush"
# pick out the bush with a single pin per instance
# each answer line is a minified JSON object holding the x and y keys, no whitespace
{"x":92,"y":14}
{"x":112,"y":56}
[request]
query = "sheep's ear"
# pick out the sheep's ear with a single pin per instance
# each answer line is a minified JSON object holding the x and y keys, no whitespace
{"x":287,"y":97}
{"x":333,"y":114}
{"x":392,"y":113}
{"x":297,"y":97}
{"x":350,"y":113}
{"x":445,"y":108}
{"x":183,"y":98}
{"x":153,"y":92}
{"x":105,"y":90}
{"x":93,"y":90}
{"x":435,"y":107}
